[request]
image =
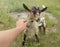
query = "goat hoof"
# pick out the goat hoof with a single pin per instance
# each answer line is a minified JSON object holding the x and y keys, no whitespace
{"x":23,"y":43}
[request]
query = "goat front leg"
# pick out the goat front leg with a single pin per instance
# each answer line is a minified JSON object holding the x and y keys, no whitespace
{"x":39,"y":27}
{"x":24,"y":39}
{"x":37,"y":38}
{"x":36,"y":30}
{"x":36,"y":35}
{"x":44,"y":26}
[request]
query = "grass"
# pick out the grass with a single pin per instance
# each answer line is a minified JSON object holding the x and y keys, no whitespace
{"x":8,"y":6}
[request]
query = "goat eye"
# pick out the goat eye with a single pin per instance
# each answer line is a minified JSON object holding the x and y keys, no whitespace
{"x":34,"y":12}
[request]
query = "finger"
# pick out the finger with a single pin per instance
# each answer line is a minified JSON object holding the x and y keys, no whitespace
{"x":26,"y":23}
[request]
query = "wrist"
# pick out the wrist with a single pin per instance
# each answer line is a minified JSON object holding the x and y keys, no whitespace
{"x":19,"y":29}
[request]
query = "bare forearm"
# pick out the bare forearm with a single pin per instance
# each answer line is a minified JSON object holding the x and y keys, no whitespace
{"x":8,"y":36}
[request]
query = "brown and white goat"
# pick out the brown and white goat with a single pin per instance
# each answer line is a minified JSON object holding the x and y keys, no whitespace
{"x":33,"y":21}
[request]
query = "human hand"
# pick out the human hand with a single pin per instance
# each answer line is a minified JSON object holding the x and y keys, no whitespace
{"x":21,"y":24}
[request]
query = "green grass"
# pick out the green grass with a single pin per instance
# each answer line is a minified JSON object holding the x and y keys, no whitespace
{"x":8,"y":6}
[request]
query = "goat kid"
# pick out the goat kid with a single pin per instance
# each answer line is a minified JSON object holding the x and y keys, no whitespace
{"x":34,"y":20}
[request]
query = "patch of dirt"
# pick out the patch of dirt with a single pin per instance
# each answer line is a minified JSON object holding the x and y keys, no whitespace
{"x":55,"y":21}
{"x":50,"y":16}
{"x":17,"y":15}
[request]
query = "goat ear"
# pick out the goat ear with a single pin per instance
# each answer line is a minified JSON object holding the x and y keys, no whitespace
{"x":44,"y":9}
{"x":26,"y":7}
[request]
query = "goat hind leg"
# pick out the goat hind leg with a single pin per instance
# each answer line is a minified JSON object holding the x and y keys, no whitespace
{"x":44,"y":29}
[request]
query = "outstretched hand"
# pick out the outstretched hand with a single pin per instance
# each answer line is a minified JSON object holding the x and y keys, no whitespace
{"x":21,"y":23}
{"x":7,"y":37}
